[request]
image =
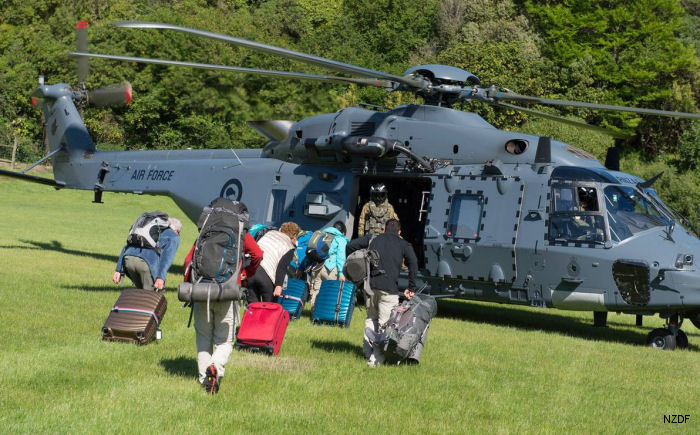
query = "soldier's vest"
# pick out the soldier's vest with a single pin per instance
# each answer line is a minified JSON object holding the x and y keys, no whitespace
{"x":377,"y":215}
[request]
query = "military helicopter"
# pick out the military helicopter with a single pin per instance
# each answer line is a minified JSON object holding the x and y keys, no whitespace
{"x":494,"y":215}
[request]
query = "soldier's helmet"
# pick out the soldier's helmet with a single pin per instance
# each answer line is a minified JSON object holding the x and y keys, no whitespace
{"x":378,"y":193}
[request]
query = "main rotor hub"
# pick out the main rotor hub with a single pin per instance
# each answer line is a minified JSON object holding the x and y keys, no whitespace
{"x":446,"y":83}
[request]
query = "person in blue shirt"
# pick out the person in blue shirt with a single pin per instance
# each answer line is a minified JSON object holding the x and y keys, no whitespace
{"x":299,"y":263}
{"x":332,"y":268}
{"x":146,"y":267}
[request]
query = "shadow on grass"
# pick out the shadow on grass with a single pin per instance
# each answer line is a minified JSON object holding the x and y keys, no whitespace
{"x":180,"y":366}
{"x":499,"y":315}
{"x":169,"y":291}
{"x":57,"y":246}
{"x":338,"y":346}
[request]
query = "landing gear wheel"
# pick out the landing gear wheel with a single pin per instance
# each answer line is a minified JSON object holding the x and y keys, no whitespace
{"x":681,"y":340}
{"x":662,"y":338}
{"x":694,"y":318}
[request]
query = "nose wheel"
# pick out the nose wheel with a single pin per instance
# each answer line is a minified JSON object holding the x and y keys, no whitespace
{"x":662,"y":338}
{"x":668,"y":338}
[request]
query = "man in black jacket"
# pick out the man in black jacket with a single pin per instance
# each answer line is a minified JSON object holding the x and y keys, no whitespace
{"x":383,"y":294}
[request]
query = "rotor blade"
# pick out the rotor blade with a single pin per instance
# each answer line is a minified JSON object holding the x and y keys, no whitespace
{"x":498,"y":95}
{"x":284,"y":74}
{"x":32,"y":178}
{"x":603,"y":130}
{"x":277,"y":130}
{"x":277,"y":51}
{"x":81,"y":45}
{"x":111,"y":95}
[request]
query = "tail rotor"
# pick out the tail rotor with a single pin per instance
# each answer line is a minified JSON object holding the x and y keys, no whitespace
{"x":81,"y":44}
{"x":112,"y":95}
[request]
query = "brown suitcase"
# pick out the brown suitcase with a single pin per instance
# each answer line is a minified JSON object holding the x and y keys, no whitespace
{"x":135,"y":316}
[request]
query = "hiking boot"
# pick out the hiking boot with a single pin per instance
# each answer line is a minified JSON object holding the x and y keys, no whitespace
{"x":211,"y":382}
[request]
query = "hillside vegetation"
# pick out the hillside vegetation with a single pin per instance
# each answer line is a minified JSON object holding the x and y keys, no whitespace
{"x":636,"y":53}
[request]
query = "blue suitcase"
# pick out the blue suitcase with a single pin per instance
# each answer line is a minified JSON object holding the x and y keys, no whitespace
{"x":293,"y":297}
{"x":335,"y":303}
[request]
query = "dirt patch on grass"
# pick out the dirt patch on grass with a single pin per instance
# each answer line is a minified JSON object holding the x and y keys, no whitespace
{"x":277,"y":365}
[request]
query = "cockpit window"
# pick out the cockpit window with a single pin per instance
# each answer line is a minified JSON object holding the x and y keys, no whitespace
{"x":670,"y":211}
{"x":587,"y":198}
{"x":576,"y":216}
{"x":575,"y":198}
{"x":630,"y":213}
{"x":577,"y":228}
{"x":564,"y":199}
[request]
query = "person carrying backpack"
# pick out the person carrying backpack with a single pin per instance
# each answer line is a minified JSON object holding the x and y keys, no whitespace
{"x":383,"y":294}
{"x":150,"y":251}
{"x":330,"y":267}
{"x":299,"y":261}
{"x":215,"y":322}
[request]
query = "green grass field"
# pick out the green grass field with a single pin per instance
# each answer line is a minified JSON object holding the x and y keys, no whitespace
{"x":486,"y":368}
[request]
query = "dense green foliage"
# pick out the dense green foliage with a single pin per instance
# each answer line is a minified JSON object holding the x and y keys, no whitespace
{"x":638,"y":53}
{"x":486,"y":367}
{"x":631,"y":53}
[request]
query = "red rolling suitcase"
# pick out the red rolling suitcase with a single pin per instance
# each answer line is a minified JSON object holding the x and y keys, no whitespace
{"x":262,"y":328}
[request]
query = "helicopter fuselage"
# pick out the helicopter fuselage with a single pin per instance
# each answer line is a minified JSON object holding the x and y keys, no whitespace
{"x":499,"y":216}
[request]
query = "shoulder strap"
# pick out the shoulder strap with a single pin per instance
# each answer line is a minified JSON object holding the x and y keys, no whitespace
{"x":371,"y":239}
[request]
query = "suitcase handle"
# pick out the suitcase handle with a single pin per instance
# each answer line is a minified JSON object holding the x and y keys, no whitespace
{"x":137,"y":310}
{"x":340,"y":299}
{"x":294,"y":298}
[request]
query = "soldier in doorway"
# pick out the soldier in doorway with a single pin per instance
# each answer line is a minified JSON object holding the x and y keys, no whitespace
{"x":376,"y":212}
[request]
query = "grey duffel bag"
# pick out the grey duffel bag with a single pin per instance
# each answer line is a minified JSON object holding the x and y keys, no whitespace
{"x":228,"y":290}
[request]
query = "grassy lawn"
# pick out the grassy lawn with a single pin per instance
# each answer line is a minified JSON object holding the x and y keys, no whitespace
{"x":486,"y":368}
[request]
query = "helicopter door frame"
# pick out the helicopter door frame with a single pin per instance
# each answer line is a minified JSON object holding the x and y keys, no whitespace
{"x":410,"y":197}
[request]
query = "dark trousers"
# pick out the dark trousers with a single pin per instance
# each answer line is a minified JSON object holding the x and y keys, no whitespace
{"x":260,"y":287}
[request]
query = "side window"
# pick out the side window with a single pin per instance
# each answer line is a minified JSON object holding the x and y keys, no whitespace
{"x":587,"y":199}
{"x":465,"y":217}
{"x":575,"y":216}
{"x":564,"y":198}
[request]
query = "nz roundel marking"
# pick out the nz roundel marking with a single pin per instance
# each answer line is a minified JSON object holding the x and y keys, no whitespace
{"x":232,"y":190}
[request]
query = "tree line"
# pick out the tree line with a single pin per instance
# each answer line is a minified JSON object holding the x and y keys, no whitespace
{"x":637,"y":53}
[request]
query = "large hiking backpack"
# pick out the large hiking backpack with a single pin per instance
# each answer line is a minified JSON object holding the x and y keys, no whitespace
{"x":145,"y":232}
{"x":218,"y":250}
{"x":407,"y":329}
{"x":361,"y":264}
{"x":319,"y":246}
{"x":298,"y":261}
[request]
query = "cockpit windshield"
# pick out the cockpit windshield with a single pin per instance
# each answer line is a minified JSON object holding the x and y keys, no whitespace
{"x":588,"y":214}
{"x":629,"y":212}
{"x":670,"y":211}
